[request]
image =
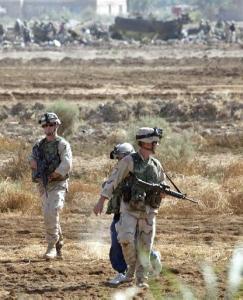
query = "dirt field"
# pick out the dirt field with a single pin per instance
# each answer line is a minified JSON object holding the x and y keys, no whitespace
{"x":186,"y":241}
{"x":129,"y":73}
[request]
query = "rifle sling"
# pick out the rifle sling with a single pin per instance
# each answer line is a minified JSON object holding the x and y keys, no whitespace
{"x":171,"y":181}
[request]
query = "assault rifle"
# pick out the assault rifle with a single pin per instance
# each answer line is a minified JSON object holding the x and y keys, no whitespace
{"x":41,"y":172}
{"x":164,"y":188}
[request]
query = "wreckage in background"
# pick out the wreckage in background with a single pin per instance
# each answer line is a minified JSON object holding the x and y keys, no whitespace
{"x":139,"y":27}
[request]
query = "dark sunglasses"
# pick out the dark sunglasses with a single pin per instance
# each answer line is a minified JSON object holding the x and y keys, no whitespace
{"x":48,"y":125}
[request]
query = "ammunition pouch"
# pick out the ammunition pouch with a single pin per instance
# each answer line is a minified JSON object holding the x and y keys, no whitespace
{"x":113,"y":206}
{"x":134,"y":194}
{"x":126,"y":190}
{"x":139,"y":196}
{"x":153,"y":198}
{"x":137,"y":201}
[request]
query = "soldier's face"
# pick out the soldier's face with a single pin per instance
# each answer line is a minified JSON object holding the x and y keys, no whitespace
{"x":49,"y":128}
{"x":150,"y":146}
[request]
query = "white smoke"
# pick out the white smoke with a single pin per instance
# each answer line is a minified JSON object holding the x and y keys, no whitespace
{"x":236,"y":270}
{"x":97,"y":244}
{"x":186,"y":292}
{"x":96,"y":249}
{"x":210,"y":280}
{"x":126,"y":294}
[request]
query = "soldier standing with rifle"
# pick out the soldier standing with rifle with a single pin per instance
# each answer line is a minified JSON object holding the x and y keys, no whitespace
{"x":136,"y":227}
{"x":116,"y":256}
{"x":51,"y":162}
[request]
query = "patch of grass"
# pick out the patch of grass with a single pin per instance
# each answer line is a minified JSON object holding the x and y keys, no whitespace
{"x":212,"y":197}
{"x":68,"y":113}
{"x":176,"y":150}
{"x":77,"y":187}
{"x":235,"y":197}
{"x":18,"y":196}
{"x":174,"y":287}
{"x":9,"y":145}
{"x":17,"y":167}
{"x":234,"y":169}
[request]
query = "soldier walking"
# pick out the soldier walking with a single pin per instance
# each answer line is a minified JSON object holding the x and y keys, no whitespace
{"x":116,"y":256}
{"x":51,"y":162}
{"x":136,"y":226}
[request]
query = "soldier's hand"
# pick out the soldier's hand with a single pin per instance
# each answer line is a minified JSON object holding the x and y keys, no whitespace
{"x":98,"y":208}
{"x":33,"y":164}
{"x":54,"y":176}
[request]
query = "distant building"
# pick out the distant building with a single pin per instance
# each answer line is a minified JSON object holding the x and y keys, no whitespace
{"x":34,"y":8}
{"x":111,"y":7}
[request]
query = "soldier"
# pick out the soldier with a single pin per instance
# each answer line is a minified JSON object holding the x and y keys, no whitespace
{"x":26,"y":33}
{"x":51,"y":162}
{"x":116,"y":256}
{"x":232,"y":30}
{"x":2,"y":33}
{"x":136,"y":226}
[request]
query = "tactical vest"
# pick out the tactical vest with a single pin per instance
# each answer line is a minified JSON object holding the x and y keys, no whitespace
{"x":138,"y":197}
{"x":50,"y":154}
{"x":47,"y":157}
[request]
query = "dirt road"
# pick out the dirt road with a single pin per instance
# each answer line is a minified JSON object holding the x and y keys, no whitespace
{"x":184,"y":243}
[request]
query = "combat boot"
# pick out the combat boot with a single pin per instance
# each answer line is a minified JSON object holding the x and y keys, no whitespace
{"x":51,"y":251}
{"x":59,"y":246}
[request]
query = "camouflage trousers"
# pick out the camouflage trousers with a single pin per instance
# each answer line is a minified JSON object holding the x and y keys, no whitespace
{"x":136,"y":232}
{"x":52,"y":204}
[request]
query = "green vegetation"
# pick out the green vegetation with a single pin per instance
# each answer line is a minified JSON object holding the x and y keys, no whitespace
{"x":175,"y":148}
{"x":68,"y":114}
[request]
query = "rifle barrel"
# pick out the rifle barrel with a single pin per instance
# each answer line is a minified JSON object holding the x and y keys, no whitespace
{"x":192,"y":200}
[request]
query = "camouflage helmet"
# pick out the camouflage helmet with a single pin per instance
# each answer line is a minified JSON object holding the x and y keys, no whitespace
{"x":121,"y":149}
{"x":149,"y":135}
{"x":49,"y":117}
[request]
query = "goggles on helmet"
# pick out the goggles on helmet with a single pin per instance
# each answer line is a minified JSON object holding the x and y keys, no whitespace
{"x":158,"y":132}
{"x":114,"y":153}
{"x":121,"y":150}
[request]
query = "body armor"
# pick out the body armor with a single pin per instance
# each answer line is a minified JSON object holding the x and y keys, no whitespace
{"x":136,"y":195}
{"x":47,"y":157}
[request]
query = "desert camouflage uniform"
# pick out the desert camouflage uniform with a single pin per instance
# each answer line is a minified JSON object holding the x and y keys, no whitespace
{"x":53,"y":196}
{"x":136,"y":228}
